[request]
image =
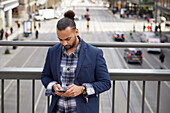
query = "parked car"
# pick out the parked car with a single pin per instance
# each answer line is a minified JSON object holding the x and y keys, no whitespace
{"x":119,"y":36}
{"x":154,"y":40}
{"x":146,"y":35}
{"x":38,"y":17}
{"x":133,"y":55}
{"x":43,"y":14}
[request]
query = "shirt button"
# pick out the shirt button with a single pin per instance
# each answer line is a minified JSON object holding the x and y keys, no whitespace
{"x":68,"y":69}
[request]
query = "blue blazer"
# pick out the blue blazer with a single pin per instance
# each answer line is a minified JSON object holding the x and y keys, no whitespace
{"x":91,"y":68}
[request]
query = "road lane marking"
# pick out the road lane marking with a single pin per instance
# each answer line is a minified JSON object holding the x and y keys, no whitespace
{"x":148,"y":63}
{"x":146,"y":101}
{"x":121,"y":57}
{"x":30,"y":56}
{"x":11,"y":58}
{"x":6,"y":89}
{"x":159,"y":61}
{"x":39,"y":97}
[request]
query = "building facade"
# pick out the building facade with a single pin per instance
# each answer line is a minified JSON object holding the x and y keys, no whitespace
{"x":164,"y":8}
{"x":6,"y":11}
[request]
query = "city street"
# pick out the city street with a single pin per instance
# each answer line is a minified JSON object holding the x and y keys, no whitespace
{"x":103,"y":27}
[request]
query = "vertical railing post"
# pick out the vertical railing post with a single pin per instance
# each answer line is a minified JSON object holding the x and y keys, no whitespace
{"x":33,"y":94}
{"x":128,"y":96}
{"x":48,"y":103}
{"x":143,"y":97}
{"x":2,"y":96}
{"x":113,"y":97}
{"x":158,"y":96}
{"x":98,"y":102}
{"x":18,"y":95}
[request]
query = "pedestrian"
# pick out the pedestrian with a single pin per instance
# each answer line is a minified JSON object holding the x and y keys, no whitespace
{"x":159,"y":26}
{"x":2,"y":33}
{"x":161,"y":58}
{"x":6,"y":35}
{"x":34,"y":25}
{"x":131,"y":33}
{"x":11,"y":29}
{"x":74,"y":72}
{"x":133,"y":28}
{"x":18,"y":24}
{"x":144,"y":27}
{"x":36,"y":34}
{"x":39,"y":24}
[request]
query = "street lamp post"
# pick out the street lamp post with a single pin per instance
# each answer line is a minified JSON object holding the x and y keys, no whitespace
{"x":156,"y":9}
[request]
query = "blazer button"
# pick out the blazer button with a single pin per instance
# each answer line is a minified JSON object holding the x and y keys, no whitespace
{"x":68,"y":69}
{"x":67,"y":84}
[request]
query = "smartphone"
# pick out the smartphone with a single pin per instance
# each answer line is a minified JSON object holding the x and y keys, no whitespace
{"x":61,"y":90}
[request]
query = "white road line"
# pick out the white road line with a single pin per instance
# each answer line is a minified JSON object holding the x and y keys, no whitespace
{"x":30,"y":56}
{"x":146,"y":101}
{"x":6,"y":89}
{"x":148,"y":63}
{"x":11,"y":58}
{"x":122,"y":58}
{"x":159,"y":61}
{"x":167,"y":84}
{"x":39,"y":97}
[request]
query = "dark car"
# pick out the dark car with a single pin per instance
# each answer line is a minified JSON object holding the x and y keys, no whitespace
{"x":119,"y":37}
{"x":133,"y":55}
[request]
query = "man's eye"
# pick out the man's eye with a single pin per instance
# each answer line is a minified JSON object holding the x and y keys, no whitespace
{"x":68,"y":39}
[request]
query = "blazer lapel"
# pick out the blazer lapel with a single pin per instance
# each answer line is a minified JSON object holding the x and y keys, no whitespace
{"x":58,"y":57}
{"x":82,"y":56}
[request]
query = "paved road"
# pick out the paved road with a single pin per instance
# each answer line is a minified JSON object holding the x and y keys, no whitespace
{"x":103,"y":25}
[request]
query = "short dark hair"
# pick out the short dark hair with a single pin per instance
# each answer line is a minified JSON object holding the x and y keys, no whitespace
{"x":64,"y":23}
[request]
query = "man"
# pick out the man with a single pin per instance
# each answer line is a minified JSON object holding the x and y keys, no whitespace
{"x":36,"y":34}
{"x":161,"y":58}
{"x":77,"y":67}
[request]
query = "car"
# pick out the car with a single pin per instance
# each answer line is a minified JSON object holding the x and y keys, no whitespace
{"x":38,"y":17}
{"x":119,"y":36}
{"x":146,"y":35}
{"x":133,"y":55}
{"x":154,"y":40}
{"x":57,"y":14}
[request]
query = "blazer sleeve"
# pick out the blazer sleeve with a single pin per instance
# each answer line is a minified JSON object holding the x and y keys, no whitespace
{"x":46,"y":75}
{"x":102,"y":78}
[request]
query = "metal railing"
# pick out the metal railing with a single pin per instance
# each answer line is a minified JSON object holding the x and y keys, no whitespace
{"x":115,"y":74}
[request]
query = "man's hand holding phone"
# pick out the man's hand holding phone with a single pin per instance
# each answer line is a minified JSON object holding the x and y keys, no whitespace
{"x":58,"y":89}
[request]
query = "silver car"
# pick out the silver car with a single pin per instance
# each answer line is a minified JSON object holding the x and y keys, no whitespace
{"x":145,"y":37}
{"x":133,"y":55}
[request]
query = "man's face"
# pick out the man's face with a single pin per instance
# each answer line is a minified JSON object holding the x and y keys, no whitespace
{"x":68,"y":37}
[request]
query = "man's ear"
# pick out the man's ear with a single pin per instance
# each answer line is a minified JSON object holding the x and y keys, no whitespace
{"x":77,"y":32}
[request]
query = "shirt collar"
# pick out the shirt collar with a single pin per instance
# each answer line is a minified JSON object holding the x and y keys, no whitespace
{"x":76,"y":51}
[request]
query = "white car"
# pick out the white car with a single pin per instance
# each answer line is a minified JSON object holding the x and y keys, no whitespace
{"x":57,"y":14}
{"x":154,"y":40}
{"x":38,"y":17}
{"x":146,"y":35}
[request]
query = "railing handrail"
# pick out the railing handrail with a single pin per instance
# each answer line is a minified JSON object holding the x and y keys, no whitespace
{"x":97,"y":44}
{"x":115,"y":74}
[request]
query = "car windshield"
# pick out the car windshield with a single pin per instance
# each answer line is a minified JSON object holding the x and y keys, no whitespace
{"x":136,"y":52}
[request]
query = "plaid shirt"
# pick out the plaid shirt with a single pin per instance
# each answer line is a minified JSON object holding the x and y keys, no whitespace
{"x":67,"y":68}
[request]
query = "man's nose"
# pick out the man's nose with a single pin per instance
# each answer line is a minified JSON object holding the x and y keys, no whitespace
{"x":64,"y":43}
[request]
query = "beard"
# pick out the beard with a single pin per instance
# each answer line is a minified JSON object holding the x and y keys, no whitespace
{"x":67,"y":47}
